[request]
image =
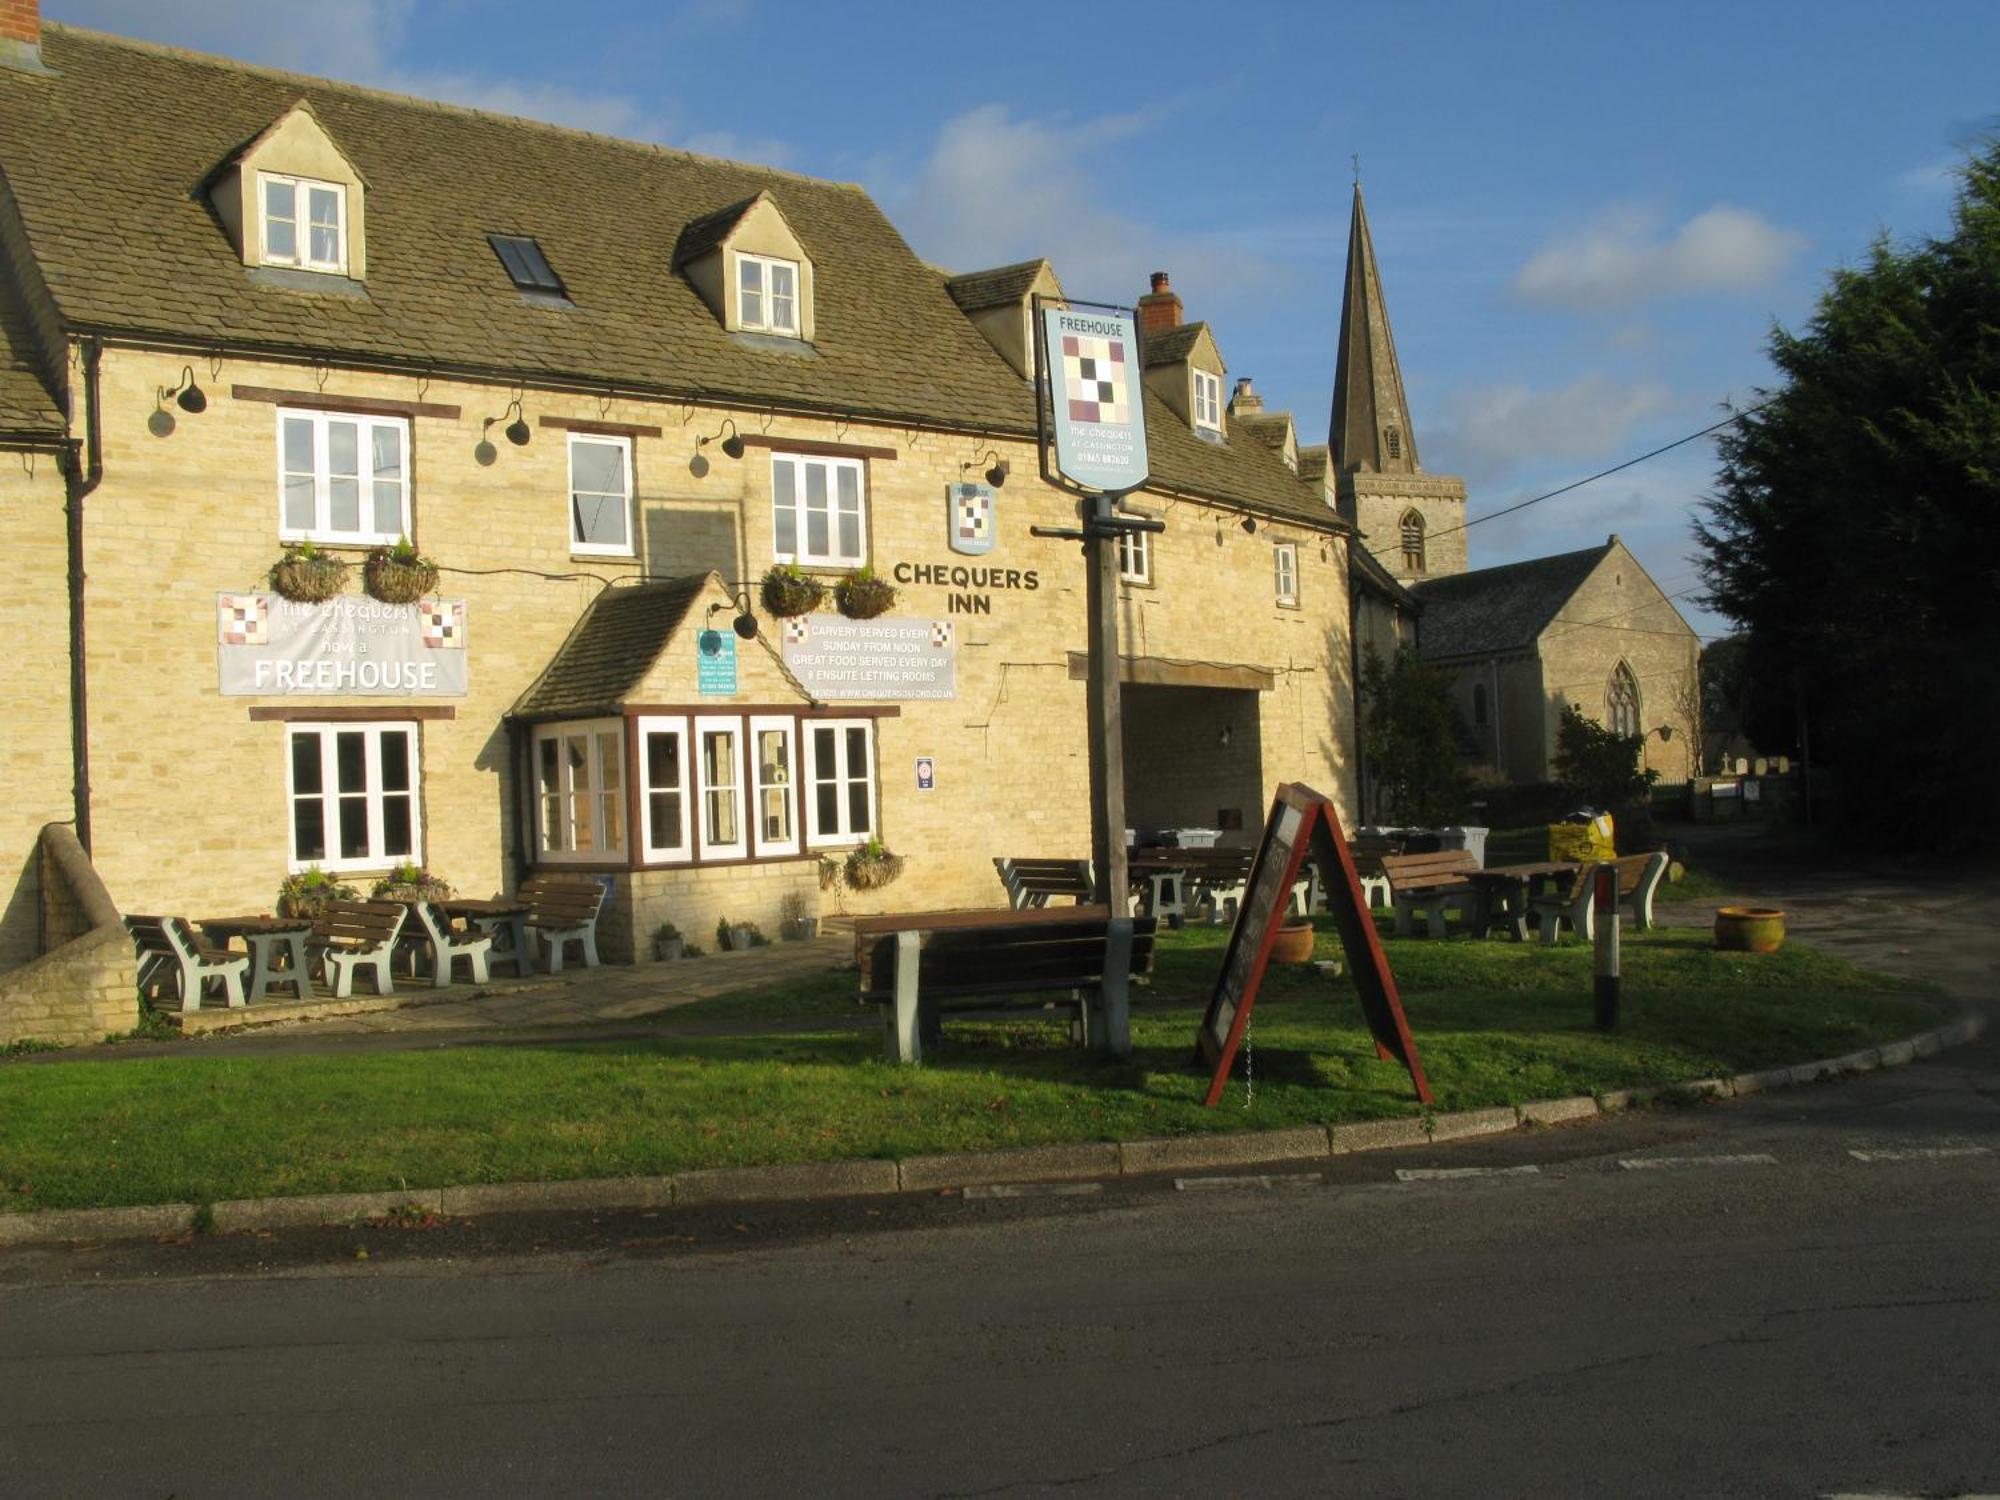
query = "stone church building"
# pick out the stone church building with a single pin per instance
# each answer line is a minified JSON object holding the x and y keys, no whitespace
{"x":1587,"y":628}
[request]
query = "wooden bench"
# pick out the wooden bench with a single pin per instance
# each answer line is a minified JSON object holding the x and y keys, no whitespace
{"x":1031,"y":882}
{"x":1434,"y":884}
{"x":1639,"y":876}
{"x":562,"y":909}
{"x":1369,"y":852}
{"x":917,"y":965}
{"x":169,"y":946}
{"x":354,"y":935}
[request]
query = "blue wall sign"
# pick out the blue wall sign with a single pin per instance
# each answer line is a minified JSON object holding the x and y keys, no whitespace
{"x":715,"y":663}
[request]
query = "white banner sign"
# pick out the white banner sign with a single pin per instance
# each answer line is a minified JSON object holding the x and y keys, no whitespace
{"x":353,"y":646}
{"x":883,"y":661}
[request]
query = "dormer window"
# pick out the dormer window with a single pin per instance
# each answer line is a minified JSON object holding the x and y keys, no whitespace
{"x":302,"y":223}
{"x":1207,"y":402}
{"x":767,"y":296}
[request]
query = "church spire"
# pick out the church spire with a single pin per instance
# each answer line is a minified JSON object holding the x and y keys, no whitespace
{"x":1370,"y":430}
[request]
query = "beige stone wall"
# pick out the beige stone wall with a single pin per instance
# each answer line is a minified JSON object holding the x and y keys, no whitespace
{"x":190,"y":806}
{"x":85,"y":988}
{"x":1511,"y":743}
{"x":1621,"y":614}
{"x":34,"y":684}
{"x":1375,"y":503}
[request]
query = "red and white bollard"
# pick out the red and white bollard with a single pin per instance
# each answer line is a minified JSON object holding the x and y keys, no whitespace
{"x":1604,"y":990}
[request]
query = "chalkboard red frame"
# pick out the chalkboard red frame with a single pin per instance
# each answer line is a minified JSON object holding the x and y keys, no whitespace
{"x":1302,"y":821}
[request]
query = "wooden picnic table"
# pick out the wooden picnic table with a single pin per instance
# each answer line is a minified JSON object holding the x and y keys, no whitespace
{"x":264,"y":935}
{"x":1505,"y":891}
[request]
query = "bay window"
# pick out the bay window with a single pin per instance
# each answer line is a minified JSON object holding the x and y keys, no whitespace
{"x":771,"y":761}
{"x":580,"y":791}
{"x":663,"y":790}
{"x":719,"y":770}
{"x":841,"y":774}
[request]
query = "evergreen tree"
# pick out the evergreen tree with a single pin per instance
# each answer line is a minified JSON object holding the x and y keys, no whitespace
{"x":1855,"y":531}
{"x":1410,"y":735}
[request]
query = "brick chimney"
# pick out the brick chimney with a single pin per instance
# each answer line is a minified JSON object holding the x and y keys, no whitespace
{"x":21,"y":35}
{"x":1159,"y":309}
{"x":1244,"y":399}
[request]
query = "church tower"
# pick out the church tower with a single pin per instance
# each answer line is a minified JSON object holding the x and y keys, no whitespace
{"x":1413,"y":522}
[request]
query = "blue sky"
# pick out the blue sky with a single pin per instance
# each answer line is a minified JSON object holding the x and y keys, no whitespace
{"x":1588,"y":216}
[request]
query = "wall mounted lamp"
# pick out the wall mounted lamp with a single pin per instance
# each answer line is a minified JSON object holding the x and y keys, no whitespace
{"x":745,"y":623}
{"x":731,"y":445}
{"x":517,"y":430}
{"x":1665,"y":732}
{"x":1250,"y":525}
{"x":187,"y":395}
{"x":997,"y":468}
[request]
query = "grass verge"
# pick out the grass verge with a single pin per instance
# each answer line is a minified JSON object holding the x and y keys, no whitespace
{"x":1498,"y":1023}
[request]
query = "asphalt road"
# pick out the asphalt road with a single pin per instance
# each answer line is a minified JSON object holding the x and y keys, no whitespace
{"x":1760,"y":1313}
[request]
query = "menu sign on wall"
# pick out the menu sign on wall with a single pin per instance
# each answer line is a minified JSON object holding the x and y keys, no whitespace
{"x":881,"y":661}
{"x":353,"y":646}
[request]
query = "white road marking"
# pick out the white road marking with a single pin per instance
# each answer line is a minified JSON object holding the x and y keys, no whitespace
{"x":1746,"y":1159}
{"x":1034,"y":1190}
{"x":1920,"y":1153}
{"x":1219,"y":1184}
{"x":1440,"y":1174}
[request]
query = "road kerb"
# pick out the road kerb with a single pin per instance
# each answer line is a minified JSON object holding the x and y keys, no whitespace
{"x":820,"y":1179}
{"x":590,"y":1193}
{"x":56,"y":1224}
{"x":1380,"y":1135}
{"x":1557,"y":1111}
{"x":1467,"y":1122}
{"x":1179,"y":1153}
{"x":320,"y":1208}
{"x":929,"y":1174}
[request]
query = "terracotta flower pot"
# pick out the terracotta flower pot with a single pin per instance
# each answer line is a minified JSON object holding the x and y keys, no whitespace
{"x":1750,"y":929}
{"x":1293,"y":944}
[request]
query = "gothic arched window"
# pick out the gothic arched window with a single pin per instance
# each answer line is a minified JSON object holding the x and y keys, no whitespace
{"x":1412,"y":527}
{"x":1392,"y":440}
{"x":1621,"y":701}
{"x":1479,"y":713}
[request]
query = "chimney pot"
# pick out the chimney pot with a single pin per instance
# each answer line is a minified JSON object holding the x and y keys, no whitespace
{"x":1159,"y":281}
{"x":1160,"y":309}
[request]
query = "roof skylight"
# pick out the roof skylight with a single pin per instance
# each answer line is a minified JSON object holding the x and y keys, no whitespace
{"x":525,"y":263}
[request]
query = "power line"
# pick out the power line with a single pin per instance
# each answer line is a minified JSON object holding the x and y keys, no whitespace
{"x":1495,"y":515}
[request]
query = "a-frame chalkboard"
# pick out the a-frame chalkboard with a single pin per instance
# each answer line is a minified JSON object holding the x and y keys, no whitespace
{"x":1302,"y":825}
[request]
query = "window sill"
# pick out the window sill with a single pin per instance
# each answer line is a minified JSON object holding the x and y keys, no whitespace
{"x":774,"y":343}
{"x":291,"y":279}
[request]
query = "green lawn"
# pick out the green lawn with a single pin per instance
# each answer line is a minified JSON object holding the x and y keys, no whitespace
{"x":1497,"y":1023}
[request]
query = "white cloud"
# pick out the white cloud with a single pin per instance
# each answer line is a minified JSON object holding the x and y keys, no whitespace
{"x":996,"y":188}
{"x":1623,"y":259}
{"x":1491,"y":431}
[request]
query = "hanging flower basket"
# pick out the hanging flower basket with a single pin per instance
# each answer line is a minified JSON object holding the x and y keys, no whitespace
{"x":307,"y":893}
{"x":871,"y":867}
{"x":787,"y":591}
{"x":399,"y":574}
{"x":306,"y":575}
{"x":411,"y":883}
{"x":863,"y":596}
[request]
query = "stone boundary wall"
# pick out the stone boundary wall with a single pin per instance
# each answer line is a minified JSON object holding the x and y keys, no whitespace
{"x":85,"y":985}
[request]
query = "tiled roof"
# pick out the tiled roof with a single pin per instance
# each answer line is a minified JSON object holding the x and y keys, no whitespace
{"x":1172,"y":345}
{"x":709,"y":231}
{"x":976,"y":290}
{"x":612,"y":648}
{"x":1500,"y":609}
{"x":1367,"y":570}
{"x":127,"y":242}
{"x":1268,"y":428}
{"x":26,"y":408}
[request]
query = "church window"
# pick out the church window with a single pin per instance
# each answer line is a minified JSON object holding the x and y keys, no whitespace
{"x":1479,"y":704}
{"x":1621,"y":702}
{"x":1392,"y":441}
{"x":1412,"y":527}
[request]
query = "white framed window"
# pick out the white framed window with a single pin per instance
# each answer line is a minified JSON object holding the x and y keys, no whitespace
{"x":1207,"y":401}
{"x":718,"y":764}
{"x":342,"y":478}
{"x":1285,"y":569}
{"x":352,"y":789}
{"x":767,"y":295}
{"x":773,"y":759}
{"x":840,"y":771}
{"x":1135,"y":556}
{"x":600,"y":495}
{"x":819,"y":511}
{"x":301,"y":223}
{"x":580,"y":791}
{"x":664,"y":836}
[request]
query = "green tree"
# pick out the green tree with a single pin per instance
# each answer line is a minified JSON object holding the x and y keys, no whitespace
{"x":1598,"y":765}
{"x":1855,"y":531}
{"x":1410,"y":738}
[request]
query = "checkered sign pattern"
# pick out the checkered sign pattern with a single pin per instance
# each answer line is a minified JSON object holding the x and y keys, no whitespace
{"x":444,"y":623}
{"x":1096,"y":379}
{"x":797,"y":632}
{"x":940,"y":633}
{"x":245,"y":620}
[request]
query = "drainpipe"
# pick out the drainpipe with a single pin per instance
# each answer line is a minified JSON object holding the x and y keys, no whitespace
{"x":84,"y":475}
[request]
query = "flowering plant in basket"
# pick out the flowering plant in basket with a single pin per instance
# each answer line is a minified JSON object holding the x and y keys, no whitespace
{"x":399,"y":574}
{"x":306,"y":575}
{"x":787,"y":591}
{"x":411,"y":883}
{"x":871,"y":866}
{"x":863,"y":596}
{"x":307,"y":893}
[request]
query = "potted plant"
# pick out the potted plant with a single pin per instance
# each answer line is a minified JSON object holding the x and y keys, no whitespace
{"x":411,"y":883}
{"x":794,"y":923}
{"x":1294,"y":942}
{"x":737,"y":937}
{"x":307,"y":893}
{"x":788,"y":591}
{"x":668,"y":945}
{"x":863,"y":596}
{"x":306,"y":575}
{"x":399,"y":574}
{"x":871,"y":867}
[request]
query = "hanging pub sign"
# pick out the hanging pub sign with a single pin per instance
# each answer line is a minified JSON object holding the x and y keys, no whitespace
{"x":352,"y":646}
{"x":969,"y":518}
{"x":1303,"y":825}
{"x":1095,"y":398}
